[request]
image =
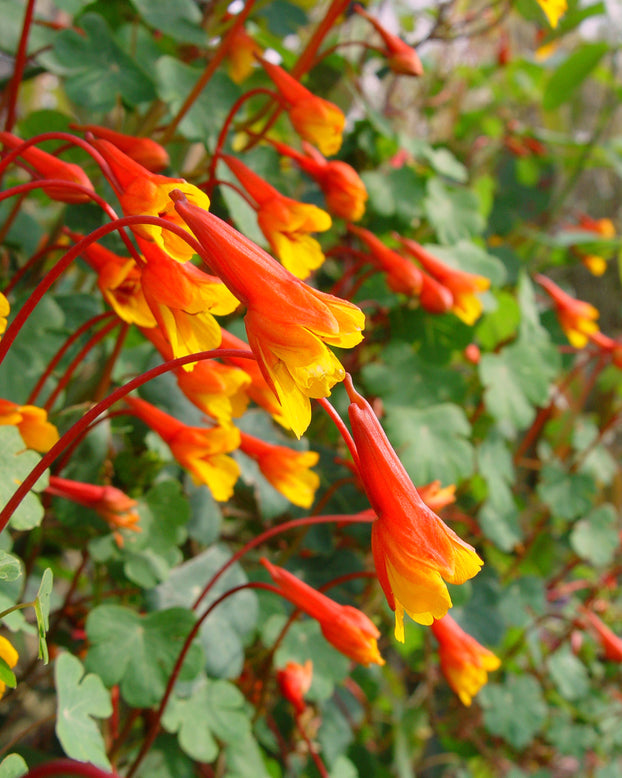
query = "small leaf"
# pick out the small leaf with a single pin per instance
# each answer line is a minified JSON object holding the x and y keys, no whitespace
{"x":13,"y":766}
{"x":453,"y":212}
{"x":568,"y":495}
{"x":7,"y":676}
{"x":10,"y":567}
{"x":514,"y":710}
{"x":570,"y":74}
{"x":181,"y":19}
{"x":42,"y":610}
{"x":569,"y":675}
{"x":80,"y":697}
{"x":597,"y":537}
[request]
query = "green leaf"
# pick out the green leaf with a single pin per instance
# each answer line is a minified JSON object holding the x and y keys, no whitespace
{"x":498,"y":516}
{"x":175,"y":81}
{"x":569,"y":738}
{"x":523,"y":599}
{"x":569,"y":75}
{"x":13,"y":766}
{"x":596,"y":538}
{"x":441,"y":160}
{"x":181,"y":19}
{"x":10,"y":567}
{"x":515,"y":710}
{"x":568,"y":673}
{"x":498,"y":325}
{"x":42,"y":610}
{"x":453,"y":212}
{"x":97,"y":71}
{"x":343,"y":768}
{"x":80,"y":698}
{"x":139,"y":652}
{"x":223,"y":631}
{"x":394,"y":193}
{"x":166,"y":760}
{"x":517,"y":380}
{"x":568,"y":495}
{"x":214,"y":712}
{"x":16,"y":462}
{"x":7,"y":676}
{"x":433,"y":442}
{"x":244,"y":759}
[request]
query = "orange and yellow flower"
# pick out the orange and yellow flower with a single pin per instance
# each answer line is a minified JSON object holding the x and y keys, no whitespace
{"x":10,"y":656}
{"x":142,"y":192}
{"x":114,"y":506}
{"x":289,"y":324}
{"x":413,"y":549}
{"x":145,"y":151}
{"x":37,"y":432}
{"x":242,"y":55}
{"x":346,"y":628}
{"x":5,"y":310}
{"x":49,"y":166}
{"x":287,"y":470}
{"x":314,"y":119}
{"x":436,"y":496}
{"x":576,"y":317}
{"x":462,"y":285}
{"x":294,"y":682}
{"x":465,"y":662}
{"x":286,"y":223}
{"x":202,"y":451}
{"x":401,"y":58}
{"x":402,"y":275}
{"x":218,"y":390}
{"x":343,"y":188}
{"x":610,"y":642}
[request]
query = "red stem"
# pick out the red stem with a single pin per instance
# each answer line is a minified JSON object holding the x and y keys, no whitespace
{"x":69,"y":767}
{"x":314,"y":754}
{"x":75,"y":362}
{"x":343,"y":430}
{"x":62,"y":351}
{"x":118,"y":394}
{"x":20,"y":65}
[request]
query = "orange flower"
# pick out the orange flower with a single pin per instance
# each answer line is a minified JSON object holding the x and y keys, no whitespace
{"x":218,"y":390}
{"x":602,"y":227}
{"x":413,"y":549}
{"x":10,"y":656}
{"x":577,"y":318}
{"x":314,"y":119}
{"x":33,"y":425}
{"x":295,"y":681}
{"x":286,"y":223}
{"x":5,"y":310}
{"x":183,"y":300}
{"x":143,"y":192}
{"x":464,"y":662}
{"x":401,"y":58}
{"x":119,"y":280}
{"x":343,"y":188}
{"x":49,"y":166}
{"x":594,"y":263}
{"x":402,"y":275}
{"x":113,"y":505}
{"x":462,"y":285}
{"x":259,"y":390}
{"x":346,"y":628}
{"x":287,"y":470}
{"x":201,"y":451}
{"x":610,"y":642}
{"x":288,"y":323}
{"x":242,"y":55}
{"x":437,"y":497}
{"x":145,"y":151}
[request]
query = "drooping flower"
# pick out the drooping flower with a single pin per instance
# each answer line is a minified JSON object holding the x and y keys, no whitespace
{"x":242,"y":55}
{"x":114,"y":506}
{"x":435,"y":496}
{"x":402,"y":275}
{"x":5,"y":310}
{"x":218,"y":390}
{"x":401,"y":58}
{"x":294,"y":682}
{"x":576,"y":317}
{"x":314,"y":119}
{"x":462,"y":285}
{"x":601,"y":228}
{"x":554,"y":10}
{"x":286,"y":223}
{"x":145,"y":151}
{"x":183,"y":300}
{"x":49,"y":166}
{"x":287,"y":470}
{"x":465,"y":662}
{"x":200,"y":450}
{"x":10,"y":656}
{"x":37,"y":432}
{"x":142,"y":192}
{"x":413,"y":549}
{"x":289,"y":324}
{"x":610,"y":642}
{"x":346,"y":628}
{"x":343,"y":188}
